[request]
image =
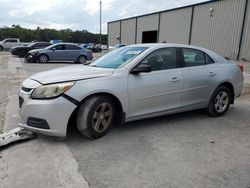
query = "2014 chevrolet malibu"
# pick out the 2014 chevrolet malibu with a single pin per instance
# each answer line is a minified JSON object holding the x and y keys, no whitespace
{"x":131,"y":83}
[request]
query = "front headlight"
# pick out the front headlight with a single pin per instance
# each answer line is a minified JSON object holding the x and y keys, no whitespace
{"x":51,"y":91}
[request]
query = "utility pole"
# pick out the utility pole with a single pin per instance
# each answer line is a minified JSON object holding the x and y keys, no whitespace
{"x":100,"y":22}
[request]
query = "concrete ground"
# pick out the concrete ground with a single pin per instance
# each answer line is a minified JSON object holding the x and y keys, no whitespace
{"x":184,"y":150}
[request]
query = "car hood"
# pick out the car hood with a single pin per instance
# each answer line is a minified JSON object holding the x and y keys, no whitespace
{"x":71,"y":73}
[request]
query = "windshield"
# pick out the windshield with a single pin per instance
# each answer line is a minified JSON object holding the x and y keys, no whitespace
{"x":31,"y":44}
{"x":118,"y":57}
{"x":50,"y":46}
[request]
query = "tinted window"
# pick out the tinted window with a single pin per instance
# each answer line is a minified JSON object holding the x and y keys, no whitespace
{"x":11,"y":40}
{"x":72,"y":47}
{"x":41,"y":45}
{"x":59,"y":47}
{"x":209,"y":60}
{"x":161,"y":59}
{"x":193,"y":57}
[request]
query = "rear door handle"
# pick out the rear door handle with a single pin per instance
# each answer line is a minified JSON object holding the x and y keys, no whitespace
{"x":211,"y":74}
{"x":175,"y":79}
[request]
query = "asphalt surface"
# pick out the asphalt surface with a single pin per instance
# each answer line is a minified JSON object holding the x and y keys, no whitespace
{"x":189,"y":149}
{"x":184,"y":150}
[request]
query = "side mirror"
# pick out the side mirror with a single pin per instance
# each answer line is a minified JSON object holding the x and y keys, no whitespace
{"x":53,"y":49}
{"x":141,"y":68}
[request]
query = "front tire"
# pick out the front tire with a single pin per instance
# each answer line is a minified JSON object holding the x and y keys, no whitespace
{"x":95,"y":117}
{"x":43,"y":58}
{"x":219,"y":102}
{"x":1,"y":48}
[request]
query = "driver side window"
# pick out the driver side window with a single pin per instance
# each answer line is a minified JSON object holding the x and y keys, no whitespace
{"x":161,"y":59}
{"x":60,"y":47}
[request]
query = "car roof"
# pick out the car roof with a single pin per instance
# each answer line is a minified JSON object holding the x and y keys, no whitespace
{"x":64,"y":43}
{"x":60,"y":43}
{"x":41,"y":42}
{"x":149,"y":45}
{"x":214,"y":55}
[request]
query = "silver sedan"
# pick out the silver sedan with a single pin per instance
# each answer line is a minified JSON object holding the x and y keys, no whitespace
{"x":131,"y":83}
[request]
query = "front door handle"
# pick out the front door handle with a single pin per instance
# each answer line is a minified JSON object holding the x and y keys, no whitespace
{"x":175,"y":79}
{"x":211,"y":74}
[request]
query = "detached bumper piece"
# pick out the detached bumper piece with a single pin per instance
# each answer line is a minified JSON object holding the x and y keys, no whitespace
{"x":15,"y":135}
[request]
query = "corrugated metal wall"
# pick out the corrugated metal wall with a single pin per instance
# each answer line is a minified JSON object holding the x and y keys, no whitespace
{"x":245,"y":49}
{"x":221,"y":31}
{"x":113,"y":31}
{"x":146,"y":23}
{"x":175,"y":26}
{"x":128,"y":31}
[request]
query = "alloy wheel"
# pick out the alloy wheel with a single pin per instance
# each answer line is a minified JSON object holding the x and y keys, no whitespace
{"x":102,"y":117}
{"x":43,"y":59}
{"x":221,"y":101}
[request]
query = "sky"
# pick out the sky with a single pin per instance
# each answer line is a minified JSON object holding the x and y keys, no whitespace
{"x":78,"y":14}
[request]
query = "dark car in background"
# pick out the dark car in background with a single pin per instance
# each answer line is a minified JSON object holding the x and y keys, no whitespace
{"x":93,"y":47}
{"x":60,"y":52}
{"x":22,"y":51}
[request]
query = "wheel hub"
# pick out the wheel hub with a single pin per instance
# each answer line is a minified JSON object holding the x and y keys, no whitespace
{"x":102,"y":117}
{"x":221,"y":102}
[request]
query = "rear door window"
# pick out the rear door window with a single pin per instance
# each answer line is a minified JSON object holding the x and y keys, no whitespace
{"x":72,"y":47}
{"x":193,"y":57}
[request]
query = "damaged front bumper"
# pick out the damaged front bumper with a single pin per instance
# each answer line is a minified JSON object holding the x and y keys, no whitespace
{"x":31,"y":58}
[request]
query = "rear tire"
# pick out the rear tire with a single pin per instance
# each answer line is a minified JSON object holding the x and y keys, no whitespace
{"x":219,"y":102}
{"x":95,"y":117}
{"x":82,"y":59}
{"x":43,"y":58}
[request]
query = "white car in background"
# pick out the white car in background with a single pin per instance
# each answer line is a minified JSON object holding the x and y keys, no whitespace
{"x":8,"y":43}
{"x":131,"y":83}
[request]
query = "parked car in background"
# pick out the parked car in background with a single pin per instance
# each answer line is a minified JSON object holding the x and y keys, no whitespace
{"x":111,"y":48}
{"x":60,"y":52}
{"x":56,"y":41}
{"x":131,"y":83}
{"x":8,"y":43}
{"x":93,"y":47}
{"x":22,"y":51}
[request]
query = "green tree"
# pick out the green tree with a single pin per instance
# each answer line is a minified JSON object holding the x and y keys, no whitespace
{"x":67,"y":35}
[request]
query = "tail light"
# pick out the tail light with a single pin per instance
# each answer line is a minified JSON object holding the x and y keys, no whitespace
{"x":241,"y":67}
